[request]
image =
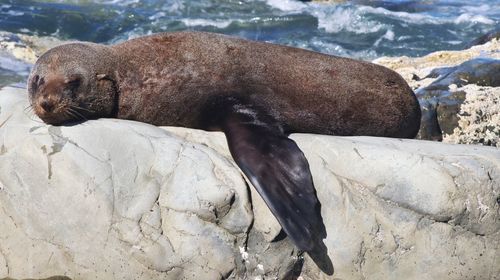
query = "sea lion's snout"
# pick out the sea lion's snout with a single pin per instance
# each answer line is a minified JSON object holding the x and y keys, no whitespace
{"x":47,"y":104}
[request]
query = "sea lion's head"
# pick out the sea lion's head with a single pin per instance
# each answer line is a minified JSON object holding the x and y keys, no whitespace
{"x":74,"y":82}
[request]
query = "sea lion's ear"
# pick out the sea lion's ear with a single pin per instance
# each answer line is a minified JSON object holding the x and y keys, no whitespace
{"x":101,"y":76}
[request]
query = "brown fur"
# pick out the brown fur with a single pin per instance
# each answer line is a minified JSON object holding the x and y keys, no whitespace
{"x":166,"y":79}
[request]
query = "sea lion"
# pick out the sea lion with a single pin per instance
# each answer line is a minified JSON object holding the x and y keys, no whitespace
{"x":256,"y":93}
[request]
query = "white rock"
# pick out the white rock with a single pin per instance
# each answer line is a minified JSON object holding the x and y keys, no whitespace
{"x":479,"y":117}
{"x":115,"y":199}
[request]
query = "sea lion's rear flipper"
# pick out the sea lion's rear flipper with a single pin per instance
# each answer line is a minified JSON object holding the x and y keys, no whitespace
{"x":275,"y":165}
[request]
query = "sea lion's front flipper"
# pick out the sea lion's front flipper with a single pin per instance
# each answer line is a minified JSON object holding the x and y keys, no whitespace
{"x":275,"y":165}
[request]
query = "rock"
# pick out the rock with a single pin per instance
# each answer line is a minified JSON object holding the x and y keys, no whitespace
{"x":86,"y":205}
{"x":13,"y":44}
{"x":430,"y":128}
{"x":8,"y":77}
{"x":443,"y":89}
{"x":407,"y":67}
{"x":441,"y":101}
{"x":448,"y":109}
{"x":479,"y":71}
{"x":116,"y":199}
{"x":494,"y":34}
{"x":50,"y":278}
{"x":479,"y":117}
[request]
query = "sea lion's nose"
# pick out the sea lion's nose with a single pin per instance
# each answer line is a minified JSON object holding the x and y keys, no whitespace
{"x":47,"y":105}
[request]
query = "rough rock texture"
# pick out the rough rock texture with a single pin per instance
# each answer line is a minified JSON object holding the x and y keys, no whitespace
{"x":122,"y":200}
{"x":494,"y":34}
{"x":479,"y":117}
{"x":441,"y":101}
{"x":442,"y":81}
{"x":114,"y":199}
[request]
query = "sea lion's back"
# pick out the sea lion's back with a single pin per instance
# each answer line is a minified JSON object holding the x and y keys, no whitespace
{"x":308,"y":91}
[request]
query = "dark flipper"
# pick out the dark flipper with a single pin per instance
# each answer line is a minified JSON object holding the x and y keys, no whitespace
{"x":274,"y":164}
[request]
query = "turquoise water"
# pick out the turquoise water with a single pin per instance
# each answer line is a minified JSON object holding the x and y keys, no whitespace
{"x":361,"y":29}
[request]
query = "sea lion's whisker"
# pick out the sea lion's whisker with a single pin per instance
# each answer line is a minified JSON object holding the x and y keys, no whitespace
{"x":75,"y":112}
{"x":29,"y":111}
{"x":75,"y":115}
{"x":29,"y":108}
{"x":79,"y":113}
{"x":70,"y":114}
{"x":81,"y":108}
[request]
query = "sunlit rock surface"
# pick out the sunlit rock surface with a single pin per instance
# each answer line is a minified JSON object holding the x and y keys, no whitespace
{"x":115,"y":199}
{"x":459,"y":92}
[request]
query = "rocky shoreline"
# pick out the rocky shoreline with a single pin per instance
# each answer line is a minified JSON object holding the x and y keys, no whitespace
{"x":459,"y":93}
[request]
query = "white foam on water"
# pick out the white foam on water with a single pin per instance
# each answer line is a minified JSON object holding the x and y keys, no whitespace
{"x":404,"y":37}
{"x":173,"y":6}
{"x":468,"y":18}
{"x":334,"y":18}
{"x":106,"y":2}
{"x":206,"y":22}
{"x":158,"y":15}
{"x":482,"y":9}
{"x":335,"y":49}
{"x":116,"y":2}
{"x":404,"y":16}
{"x":338,"y":18}
{"x":15,"y":13}
{"x":389,"y":35}
{"x":287,"y":5}
{"x":415,"y":18}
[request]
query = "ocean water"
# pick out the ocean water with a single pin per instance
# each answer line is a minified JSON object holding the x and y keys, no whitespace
{"x":364,"y":29}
